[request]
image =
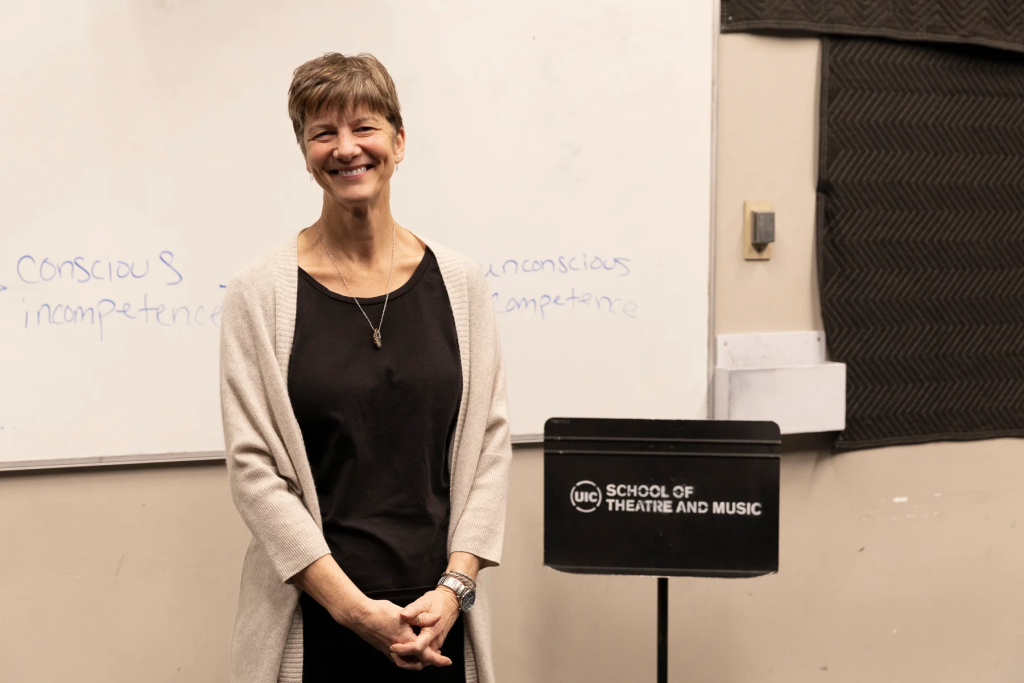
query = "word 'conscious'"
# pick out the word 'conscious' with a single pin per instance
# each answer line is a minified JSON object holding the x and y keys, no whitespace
{"x":81,"y":270}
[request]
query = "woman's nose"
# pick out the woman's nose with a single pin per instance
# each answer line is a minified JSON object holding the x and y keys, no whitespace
{"x":347,"y":147}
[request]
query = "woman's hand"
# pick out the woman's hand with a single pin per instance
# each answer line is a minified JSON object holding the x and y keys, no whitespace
{"x":378,"y":622}
{"x":434,"y":613}
{"x":381,"y":624}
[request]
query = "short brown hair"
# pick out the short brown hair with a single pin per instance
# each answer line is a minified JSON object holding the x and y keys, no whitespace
{"x":336,"y":81}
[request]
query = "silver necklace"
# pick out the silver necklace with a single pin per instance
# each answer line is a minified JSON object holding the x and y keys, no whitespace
{"x":376,"y":330}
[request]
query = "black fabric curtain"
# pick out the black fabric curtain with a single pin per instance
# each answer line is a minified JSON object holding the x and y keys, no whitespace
{"x":991,"y":23}
{"x":921,"y":238}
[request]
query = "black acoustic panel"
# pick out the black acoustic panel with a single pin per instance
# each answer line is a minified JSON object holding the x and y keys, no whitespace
{"x":920,"y":239}
{"x":991,"y":23}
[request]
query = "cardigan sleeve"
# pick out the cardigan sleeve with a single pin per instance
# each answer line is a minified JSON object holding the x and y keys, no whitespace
{"x":482,"y":526}
{"x":263,"y":483}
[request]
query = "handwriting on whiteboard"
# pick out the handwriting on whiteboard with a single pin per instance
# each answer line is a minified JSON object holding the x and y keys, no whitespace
{"x":140,"y":291}
{"x":569,"y":300}
{"x":580,"y":283}
{"x":560,"y":265}
{"x":56,"y":314}
{"x":32,"y":270}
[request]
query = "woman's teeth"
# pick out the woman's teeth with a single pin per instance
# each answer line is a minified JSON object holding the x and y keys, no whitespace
{"x":354,"y":171}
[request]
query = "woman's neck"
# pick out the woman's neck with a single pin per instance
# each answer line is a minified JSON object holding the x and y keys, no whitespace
{"x":361,"y":235}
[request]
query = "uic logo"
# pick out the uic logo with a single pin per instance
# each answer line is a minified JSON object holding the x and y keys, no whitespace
{"x":585,"y":496}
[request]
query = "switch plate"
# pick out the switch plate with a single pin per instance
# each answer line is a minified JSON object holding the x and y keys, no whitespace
{"x":749,"y":252}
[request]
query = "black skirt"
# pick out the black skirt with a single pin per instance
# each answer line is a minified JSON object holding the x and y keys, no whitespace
{"x":330,"y":650}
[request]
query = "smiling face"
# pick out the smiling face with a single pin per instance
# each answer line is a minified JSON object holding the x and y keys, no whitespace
{"x":352,"y":154}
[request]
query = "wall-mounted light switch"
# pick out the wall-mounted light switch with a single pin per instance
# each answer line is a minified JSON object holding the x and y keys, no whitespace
{"x":763,"y":229}
{"x":758,"y":230}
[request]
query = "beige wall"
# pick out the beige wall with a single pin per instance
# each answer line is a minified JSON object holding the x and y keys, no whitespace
{"x":118,"y":575}
{"x":874,"y":590}
{"x":131,"y":575}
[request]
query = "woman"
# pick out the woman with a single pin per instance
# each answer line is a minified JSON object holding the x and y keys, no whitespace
{"x":363,"y":398}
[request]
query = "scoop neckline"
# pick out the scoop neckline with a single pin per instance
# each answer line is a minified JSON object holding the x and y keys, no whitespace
{"x":409,"y":284}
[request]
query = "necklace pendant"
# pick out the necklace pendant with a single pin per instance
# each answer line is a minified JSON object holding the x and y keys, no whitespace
{"x":376,"y":338}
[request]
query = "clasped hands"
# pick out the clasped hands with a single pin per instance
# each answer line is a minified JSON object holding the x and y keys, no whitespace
{"x":390,"y":628}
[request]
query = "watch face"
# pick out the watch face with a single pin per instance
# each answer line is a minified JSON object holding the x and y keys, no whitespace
{"x":467,"y":600}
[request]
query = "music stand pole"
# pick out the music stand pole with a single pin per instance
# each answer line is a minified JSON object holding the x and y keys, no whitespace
{"x":662,"y":630}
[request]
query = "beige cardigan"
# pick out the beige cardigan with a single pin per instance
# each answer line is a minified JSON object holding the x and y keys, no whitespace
{"x":272,"y":484}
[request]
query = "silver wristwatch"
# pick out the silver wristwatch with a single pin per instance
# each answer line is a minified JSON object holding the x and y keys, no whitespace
{"x":465,"y":593}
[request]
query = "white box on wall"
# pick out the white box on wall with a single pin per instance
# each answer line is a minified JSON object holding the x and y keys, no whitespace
{"x":782,"y":377}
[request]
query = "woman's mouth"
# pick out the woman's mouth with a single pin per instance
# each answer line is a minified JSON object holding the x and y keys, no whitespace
{"x":351,"y":173}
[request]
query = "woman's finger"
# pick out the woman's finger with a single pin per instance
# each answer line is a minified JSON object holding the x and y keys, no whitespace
{"x":422,"y":619}
{"x":435,"y":658}
{"x":409,"y":663}
{"x":415,"y":647}
{"x":419,"y":606}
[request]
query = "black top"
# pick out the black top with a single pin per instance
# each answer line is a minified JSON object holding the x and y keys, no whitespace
{"x":377,"y":426}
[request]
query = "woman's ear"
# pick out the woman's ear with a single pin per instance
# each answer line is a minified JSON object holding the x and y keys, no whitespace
{"x":400,"y":143}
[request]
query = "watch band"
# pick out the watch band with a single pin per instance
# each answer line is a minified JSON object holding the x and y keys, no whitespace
{"x":465,"y":594}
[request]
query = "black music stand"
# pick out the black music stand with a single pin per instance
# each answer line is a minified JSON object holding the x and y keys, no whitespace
{"x":661,"y":498}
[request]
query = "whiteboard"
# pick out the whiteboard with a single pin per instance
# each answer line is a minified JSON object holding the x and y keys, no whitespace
{"x":565,"y":146}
